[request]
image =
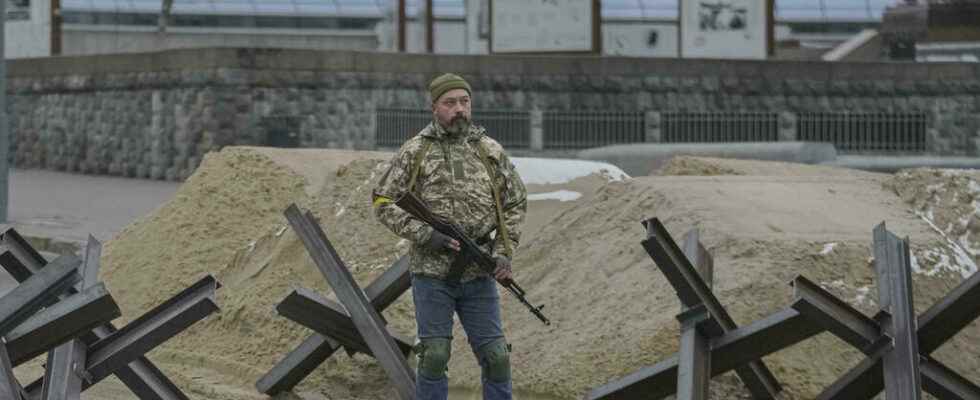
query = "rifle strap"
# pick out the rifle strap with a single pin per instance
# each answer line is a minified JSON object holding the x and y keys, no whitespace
{"x":417,"y":166}
{"x":456,"y":269}
{"x":501,"y":226}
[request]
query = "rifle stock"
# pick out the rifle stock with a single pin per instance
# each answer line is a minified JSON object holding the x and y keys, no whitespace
{"x":468,"y":247}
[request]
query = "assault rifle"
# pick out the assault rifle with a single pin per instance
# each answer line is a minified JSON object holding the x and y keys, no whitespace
{"x":469,"y":250}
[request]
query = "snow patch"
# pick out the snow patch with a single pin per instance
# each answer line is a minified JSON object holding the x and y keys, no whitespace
{"x":862,"y":295}
{"x":561,"y":195}
{"x":544,"y":171}
{"x":964,"y":264}
{"x":834,"y":285}
{"x":827,"y":248}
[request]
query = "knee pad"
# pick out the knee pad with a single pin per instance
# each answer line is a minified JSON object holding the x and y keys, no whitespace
{"x":433,"y":356}
{"x":495,"y":360}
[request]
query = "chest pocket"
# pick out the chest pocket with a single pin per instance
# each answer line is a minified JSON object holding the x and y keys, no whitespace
{"x":488,"y":163}
{"x":458,"y":171}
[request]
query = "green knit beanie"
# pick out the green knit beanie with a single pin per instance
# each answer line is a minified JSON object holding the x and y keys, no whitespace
{"x":446,"y":82}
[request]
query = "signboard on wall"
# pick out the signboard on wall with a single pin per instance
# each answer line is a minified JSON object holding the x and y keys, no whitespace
{"x":18,"y":10}
{"x":544,"y":26}
{"x":640,"y":39}
{"x":737,"y":29}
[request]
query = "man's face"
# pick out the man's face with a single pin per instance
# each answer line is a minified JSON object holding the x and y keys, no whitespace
{"x":452,"y":110}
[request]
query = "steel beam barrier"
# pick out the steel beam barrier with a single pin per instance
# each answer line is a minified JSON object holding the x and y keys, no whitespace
{"x":143,"y":378}
{"x":18,"y":257}
{"x":901,"y":365}
{"x":365,"y":317}
{"x":751,"y":342}
{"x":692,"y":291}
{"x":944,"y":383}
{"x":835,"y":315}
{"x":9,"y":388}
{"x":37,"y":292}
{"x":388,"y":287}
{"x":61,"y":378}
{"x":151,"y":329}
{"x":699,"y":257}
{"x":694,"y":356}
{"x":949,"y":315}
{"x":146,"y":381}
{"x":311,"y":310}
{"x":91,"y":263}
{"x":61,"y":322}
{"x":761,"y":338}
{"x":297,"y":365}
{"x":868,"y":376}
{"x":60,"y":381}
{"x":316,"y":348}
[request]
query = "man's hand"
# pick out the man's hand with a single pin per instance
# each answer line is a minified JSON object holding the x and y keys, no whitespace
{"x":439,"y":241}
{"x":503,"y":271}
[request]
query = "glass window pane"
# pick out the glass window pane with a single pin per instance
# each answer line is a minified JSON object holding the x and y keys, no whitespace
{"x":786,"y":10}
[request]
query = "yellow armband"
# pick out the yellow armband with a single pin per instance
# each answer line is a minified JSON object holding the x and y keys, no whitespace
{"x":380,"y":201}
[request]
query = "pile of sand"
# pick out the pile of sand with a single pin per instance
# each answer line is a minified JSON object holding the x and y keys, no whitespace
{"x":949,"y":201}
{"x":612,"y":310}
{"x":227,"y":220}
{"x":708,"y":166}
{"x":762,"y":230}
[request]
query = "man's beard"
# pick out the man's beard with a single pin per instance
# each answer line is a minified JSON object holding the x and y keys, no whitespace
{"x":459,"y":124}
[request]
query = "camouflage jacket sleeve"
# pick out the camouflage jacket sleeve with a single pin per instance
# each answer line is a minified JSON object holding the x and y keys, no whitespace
{"x":391,"y":187}
{"x":513,"y":199}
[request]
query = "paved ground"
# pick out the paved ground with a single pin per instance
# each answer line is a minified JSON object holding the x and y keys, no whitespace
{"x":69,"y":207}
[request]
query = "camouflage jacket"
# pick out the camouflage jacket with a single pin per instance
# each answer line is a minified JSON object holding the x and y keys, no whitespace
{"x":454,"y":183}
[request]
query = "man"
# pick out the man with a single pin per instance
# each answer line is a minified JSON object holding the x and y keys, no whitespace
{"x":463,"y":175}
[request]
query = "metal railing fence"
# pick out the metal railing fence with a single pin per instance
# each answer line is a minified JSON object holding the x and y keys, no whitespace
{"x":850,"y":132}
{"x":509,"y":127}
{"x":866,"y":132}
{"x":585,"y":129}
{"x":712,"y":127}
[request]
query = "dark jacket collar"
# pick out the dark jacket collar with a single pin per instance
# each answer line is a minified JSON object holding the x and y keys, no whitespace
{"x":437,"y":132}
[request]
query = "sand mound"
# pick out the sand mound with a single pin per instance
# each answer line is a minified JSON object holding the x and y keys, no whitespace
{"x":227,"y":220}
{"x":708,"y":166}
{"x":949,"y":201}
{"x":215,"y":213}
{"x":687,"y":165}
{"x":613,"y":311}
{"x":763,"y":231}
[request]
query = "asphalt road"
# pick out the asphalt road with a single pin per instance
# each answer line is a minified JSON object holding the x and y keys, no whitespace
{"x":69,"y":207}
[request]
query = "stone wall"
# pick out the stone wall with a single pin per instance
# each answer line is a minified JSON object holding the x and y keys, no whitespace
{"x":156,"y":114}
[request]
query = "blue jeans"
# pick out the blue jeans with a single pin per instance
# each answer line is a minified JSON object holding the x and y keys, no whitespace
{"x":477,"y":304}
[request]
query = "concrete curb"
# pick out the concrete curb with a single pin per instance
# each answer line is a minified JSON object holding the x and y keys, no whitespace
{"x":641,"y":158}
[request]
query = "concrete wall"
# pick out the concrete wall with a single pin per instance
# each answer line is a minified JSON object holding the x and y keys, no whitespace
{"x":108,"y":39}
{"x":156,"y":114}
{"x":30,"y":37}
